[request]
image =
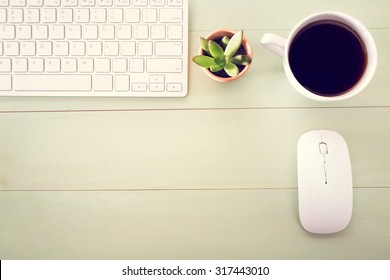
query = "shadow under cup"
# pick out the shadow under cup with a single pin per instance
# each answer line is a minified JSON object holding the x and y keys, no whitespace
{"x":328,"y":58}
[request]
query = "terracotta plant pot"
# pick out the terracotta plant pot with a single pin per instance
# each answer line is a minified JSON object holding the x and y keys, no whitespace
{"x":245,"y":44}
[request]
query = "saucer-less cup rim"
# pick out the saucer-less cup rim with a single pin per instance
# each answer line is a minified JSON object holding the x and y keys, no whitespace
{"x":281,"y":46}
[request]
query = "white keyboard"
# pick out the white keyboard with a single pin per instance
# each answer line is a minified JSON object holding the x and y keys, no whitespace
{"x":94,"y":48}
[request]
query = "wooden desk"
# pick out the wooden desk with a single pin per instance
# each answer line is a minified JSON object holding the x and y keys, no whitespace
{"x":208,"y":176}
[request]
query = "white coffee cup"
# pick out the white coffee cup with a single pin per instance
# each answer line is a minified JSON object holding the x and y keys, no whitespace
{"x":281,"y":47}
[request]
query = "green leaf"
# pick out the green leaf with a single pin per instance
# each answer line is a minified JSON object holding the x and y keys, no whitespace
{"x":203,"y":61}
{"x":216,"y":68}
{"x":234,"y":44}
{"x":231,"y":69}
{"x":204,"y":43}
{"x":225,"y":41}
{"x":221,"y":61}
{"x":215,"y":50}
{"x":241,"y":60}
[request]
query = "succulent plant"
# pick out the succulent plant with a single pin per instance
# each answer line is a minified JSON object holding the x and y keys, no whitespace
{"x":218,"y":57}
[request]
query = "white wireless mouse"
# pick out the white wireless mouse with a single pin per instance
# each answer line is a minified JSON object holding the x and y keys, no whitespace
{"x":324,"y":182}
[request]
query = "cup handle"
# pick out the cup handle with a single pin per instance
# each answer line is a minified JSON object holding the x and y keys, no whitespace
{"x":273,"y":43}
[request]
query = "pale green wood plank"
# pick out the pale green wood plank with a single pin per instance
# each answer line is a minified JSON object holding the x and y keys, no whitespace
{"x":280,"y":14}
{"x":219,"y":149}
{"x":246,"y":224}
{"x":265,"y":85}
{"x":196,"y":149}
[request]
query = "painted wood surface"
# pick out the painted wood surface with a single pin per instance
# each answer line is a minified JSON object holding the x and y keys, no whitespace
{"x":208,"y":176}
{"x":212,"y":224}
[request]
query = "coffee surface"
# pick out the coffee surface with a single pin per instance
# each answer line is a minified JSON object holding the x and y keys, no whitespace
{"x":327,"y":58}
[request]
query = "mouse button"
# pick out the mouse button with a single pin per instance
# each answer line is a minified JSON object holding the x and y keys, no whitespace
{"x":308,"y":137}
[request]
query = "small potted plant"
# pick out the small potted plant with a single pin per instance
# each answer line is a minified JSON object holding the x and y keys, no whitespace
{"x":225,"y":55}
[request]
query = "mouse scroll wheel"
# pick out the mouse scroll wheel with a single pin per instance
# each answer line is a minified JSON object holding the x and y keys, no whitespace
{"x":323,"y":148}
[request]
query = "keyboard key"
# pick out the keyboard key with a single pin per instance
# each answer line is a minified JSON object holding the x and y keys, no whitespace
{"x":115,"y":15}
{"x":158,"y":32}
{"x":141,"y":32}
{"x":171,"y":15}
{"x":169,"y":48}
{"x":61,"y":48}
{"x":11,"y":48}
{"x":17,"y":3}
{"x":90,"y":32}
{"x":48,"y":15}
{"x":69,"y":3}
{"x":98,"y":15}
{"x":102,"y":82}
{"x":122,"y":83}
{"x":5,"y":82}
{"x":102,"y":65}
{"x":94,"y":48}
{"x":175,"y":32}
{"x":73,"y":32}
{"x":3,"y":15}
{"x":36,"y":65}
{"x":174,"y":87}
{"x":40,"y":32}
{"x":140,"y":3}
{"x":57,"y":32}
{"x":124,"y":32}
{"x":111,"y":48}
{"x":156,"y":79}
{"x":19,"y":65}
{"x":23,"y":32}
{"x":52,"y":3}
{"x":175,"y":3}
{"x":157,"y":3}
{"x":52,"y":82}
{"x":77,"y":48}
{"x":69,"y":65}
{"x":65,"y":15}
{"x":157,"y":87}
{"x":87,"y":3}
{"x":44,"y":48}
{"x":156,"y":65}
{"x":145,"y":48}
{"x":107,"y":32}
{"x":81,"y":15}
{"x":104,"y":3}
{"x":139,"y":87}
{"x":119,"y":65}
{"x":28,"y":48}
{"x":7,"y":32}
{"x":5,"y":65}
{"x":136,"y":65}
{"x":149,"y":15}
{"x":53,"y":65}
{"x":122,"y":3}
{"x":86,"y":65}
{"x":128,"y":48}
{"x":31,"y":15}
{"x":133,"y":15}
{"x":15,"y":15}
{"x":35,"y":3}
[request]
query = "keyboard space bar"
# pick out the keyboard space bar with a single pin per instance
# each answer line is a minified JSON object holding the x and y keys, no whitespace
{"x":52,"y":82}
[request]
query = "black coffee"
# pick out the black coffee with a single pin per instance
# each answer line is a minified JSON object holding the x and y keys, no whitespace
{"x":327,"y":58}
